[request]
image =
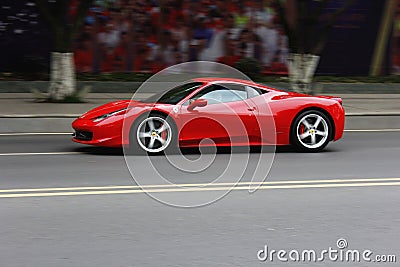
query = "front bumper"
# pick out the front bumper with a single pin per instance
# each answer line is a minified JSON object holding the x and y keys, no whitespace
{"x":108,"y":134}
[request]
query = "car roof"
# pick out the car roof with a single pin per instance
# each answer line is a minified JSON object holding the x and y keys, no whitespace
{"x":209,"y":80}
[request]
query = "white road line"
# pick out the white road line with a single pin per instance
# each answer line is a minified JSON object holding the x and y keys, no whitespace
{"x":198,"y":185}
{"x":374,"y":130}
{"x":372,"y":114}
{"x":242,"y":188}
{"x":40,"y":153}
{"x":24,"y":134}
{"x":39,"y":116}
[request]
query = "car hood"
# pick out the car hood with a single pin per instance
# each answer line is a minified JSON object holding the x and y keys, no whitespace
{"x":106,"y":108}
{"x":118,"y":105}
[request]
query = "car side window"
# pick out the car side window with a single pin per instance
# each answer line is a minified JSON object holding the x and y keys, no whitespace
{"x":217,"y":93}
{"x":253,"y":91}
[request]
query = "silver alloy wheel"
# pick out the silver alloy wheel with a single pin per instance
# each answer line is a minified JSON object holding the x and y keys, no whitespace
{"x":154,"y":134}
{"x":312,"y":131}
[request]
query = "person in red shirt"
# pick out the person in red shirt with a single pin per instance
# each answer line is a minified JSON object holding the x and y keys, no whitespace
{"x":120,"y":54}
{"x":83,"y":56}
{"x":230,"y":58}
{"x":141,"y":53}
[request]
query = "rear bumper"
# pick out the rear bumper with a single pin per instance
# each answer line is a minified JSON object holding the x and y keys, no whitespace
{"x":339,"y":123}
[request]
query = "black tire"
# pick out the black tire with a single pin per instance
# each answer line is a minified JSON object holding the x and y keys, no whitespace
{"x":311,"y":131}
{"x":141,"y":146}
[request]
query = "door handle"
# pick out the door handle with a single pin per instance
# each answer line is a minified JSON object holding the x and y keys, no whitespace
{"x":251,"y":109}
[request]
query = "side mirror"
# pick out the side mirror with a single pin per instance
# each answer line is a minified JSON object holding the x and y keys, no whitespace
{"x":197,"y":103}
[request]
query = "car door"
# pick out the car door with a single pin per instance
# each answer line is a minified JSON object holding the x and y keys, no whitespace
{"x":229,"y":118}
{"x":265,"y":132}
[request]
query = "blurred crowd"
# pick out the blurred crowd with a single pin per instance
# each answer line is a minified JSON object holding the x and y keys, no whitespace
{"x":396,"y":42}
{"x":149,"y":35}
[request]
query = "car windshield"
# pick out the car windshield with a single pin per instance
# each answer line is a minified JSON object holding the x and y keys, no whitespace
{"x":174,"y":95}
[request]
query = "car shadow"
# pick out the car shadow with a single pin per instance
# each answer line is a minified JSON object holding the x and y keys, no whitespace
{"x":109,"y":151}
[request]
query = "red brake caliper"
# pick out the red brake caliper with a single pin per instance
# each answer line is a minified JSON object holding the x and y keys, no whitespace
{"x":302,"y":128}
{"x":164,"y":135}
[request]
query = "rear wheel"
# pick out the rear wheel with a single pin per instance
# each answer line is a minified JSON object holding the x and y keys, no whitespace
{"x":153,"y":134}
{"x":311,"y":131}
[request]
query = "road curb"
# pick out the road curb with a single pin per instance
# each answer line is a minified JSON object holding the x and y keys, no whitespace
{"x":31,"y":124}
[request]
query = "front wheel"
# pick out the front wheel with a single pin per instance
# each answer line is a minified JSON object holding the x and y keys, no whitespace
{"x":153,"y":134}
{"x":311,"y":131}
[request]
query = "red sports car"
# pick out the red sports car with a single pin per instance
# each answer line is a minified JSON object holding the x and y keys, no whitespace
{"x":214,"y":111}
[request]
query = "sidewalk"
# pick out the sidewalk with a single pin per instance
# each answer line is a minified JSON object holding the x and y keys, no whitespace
{"x":20,"y":113}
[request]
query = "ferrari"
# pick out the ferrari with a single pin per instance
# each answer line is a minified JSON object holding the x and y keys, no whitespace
{"x":217,"y":112}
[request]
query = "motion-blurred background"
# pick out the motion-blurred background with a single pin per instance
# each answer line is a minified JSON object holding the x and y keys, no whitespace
{"x":145,"y":36}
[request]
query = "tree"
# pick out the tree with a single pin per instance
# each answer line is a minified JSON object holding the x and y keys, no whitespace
{"x":64,"y":26}
{"x":307,"y":27}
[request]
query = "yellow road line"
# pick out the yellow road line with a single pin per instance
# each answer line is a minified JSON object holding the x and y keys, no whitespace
{"x":131,"y":187}
{"x":172,"y":190}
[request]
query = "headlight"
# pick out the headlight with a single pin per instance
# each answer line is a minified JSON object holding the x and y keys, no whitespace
{"x":105,"y":116}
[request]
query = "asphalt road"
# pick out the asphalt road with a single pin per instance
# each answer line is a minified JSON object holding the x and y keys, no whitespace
{"x":63,"y":204}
